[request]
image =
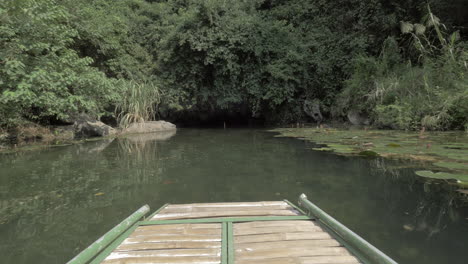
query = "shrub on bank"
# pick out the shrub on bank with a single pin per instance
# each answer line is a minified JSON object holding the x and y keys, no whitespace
{"x":429,"y":91}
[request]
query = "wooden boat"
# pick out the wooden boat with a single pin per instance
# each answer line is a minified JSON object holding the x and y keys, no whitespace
{"x":275,"y":232}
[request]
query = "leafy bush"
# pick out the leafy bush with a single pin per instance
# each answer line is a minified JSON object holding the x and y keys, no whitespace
{"x":430,"y":92}
{"x":393,"y":116}
{"x":41,"y":76}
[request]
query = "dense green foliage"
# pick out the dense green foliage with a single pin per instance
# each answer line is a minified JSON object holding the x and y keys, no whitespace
{"x":61,"y":59}
{"x":256,"y":58}
{"x":429,"y":91}
{"x":42,"y":76}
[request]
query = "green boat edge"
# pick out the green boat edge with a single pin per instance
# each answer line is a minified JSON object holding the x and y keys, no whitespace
{"x":363,"y":250}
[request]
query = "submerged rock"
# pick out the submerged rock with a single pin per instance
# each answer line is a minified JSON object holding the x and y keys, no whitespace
{"x":149,"y":127}
{"x":145,"y":137}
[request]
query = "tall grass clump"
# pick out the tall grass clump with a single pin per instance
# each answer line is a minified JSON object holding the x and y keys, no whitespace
{"x":429,"y":88}
{"x":140,"y":102}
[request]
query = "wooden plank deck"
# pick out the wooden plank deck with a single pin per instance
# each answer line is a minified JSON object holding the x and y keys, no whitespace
{"x":272,"y":242}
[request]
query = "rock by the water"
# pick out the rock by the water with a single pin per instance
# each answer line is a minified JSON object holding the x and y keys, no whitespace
{"x":83,"y":129}
{"x":85,"y":126}
{"x":141,"y":138}
{"x":312,"y":109}
{"x":356,"y":118}
{"x":4,"y":140}
{"x":149,"y":127}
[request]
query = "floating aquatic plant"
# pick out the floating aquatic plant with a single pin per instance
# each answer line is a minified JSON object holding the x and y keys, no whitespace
{"x":443,"y":149}
{"x":444,"y":176}
{"x":452,"y":165}
{"x":368,"y":153}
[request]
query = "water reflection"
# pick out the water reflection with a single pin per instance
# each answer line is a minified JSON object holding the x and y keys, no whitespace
{"x":56,"y":201}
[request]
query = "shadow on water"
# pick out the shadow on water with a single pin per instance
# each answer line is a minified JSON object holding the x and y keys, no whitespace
{"x":54,"y":202}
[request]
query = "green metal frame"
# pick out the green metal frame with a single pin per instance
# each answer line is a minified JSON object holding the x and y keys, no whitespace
{"x":106,"y":252}
{"x":156,"y":212}
{"x":366,"y":252}
{"x":295,"y":207}
{"x":103,"y":242}
{"x":224,"y":243}
{"x":362,"y":258}
{"x":230,"y":241}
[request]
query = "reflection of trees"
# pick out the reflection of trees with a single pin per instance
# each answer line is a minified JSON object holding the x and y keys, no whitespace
{"x":417,"y":210}
{"x":48,"y":204}
{"x":436,"y":204}
{"x":142,"y":145}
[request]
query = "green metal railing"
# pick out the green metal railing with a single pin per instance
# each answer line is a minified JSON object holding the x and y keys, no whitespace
{"x":371,"y":253}
{"x":90,"y":252}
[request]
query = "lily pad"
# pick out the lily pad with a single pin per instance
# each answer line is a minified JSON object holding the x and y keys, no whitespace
{"x":341,"y":148}
{"x":452,"y":165}
{"x":437,"y":147}
{"x":368,"y":153}
{"x":443,"y":176}
{"x":323,"y":149}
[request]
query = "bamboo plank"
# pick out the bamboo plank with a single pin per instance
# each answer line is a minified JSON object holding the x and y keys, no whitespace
{"x":164,"y":260}
{"x":291,"y":252}
{"x":288,"y":244}
{"x":281,"y":237}
{"x":274,"y":224}
{"x":138,"y":233}
{"x":171,"y":210}
{"x":167,"y":245}
{"x":241,"y":204}
{"x":280,"y":229}
{"x":306,"y":260}
{"x":224,"y":219}
{"x":173,"y":253}
{"x":329,"y":260}
{"x":173,"y":238}
{"x":270,"y":261}
{"x":224,"y":214}
{"x":163,"y":228}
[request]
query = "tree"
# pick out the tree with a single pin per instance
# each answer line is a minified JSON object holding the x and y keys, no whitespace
{"x":42,"y":77}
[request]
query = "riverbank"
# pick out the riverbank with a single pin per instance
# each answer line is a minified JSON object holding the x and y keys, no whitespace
{"x":444,"y":154}
{"x":34,"y":136}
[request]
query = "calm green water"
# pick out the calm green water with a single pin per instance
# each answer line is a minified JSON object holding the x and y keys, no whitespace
{"x":54,"y":202}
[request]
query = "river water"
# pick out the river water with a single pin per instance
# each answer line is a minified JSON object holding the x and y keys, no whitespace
{"x":56,"y":201}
